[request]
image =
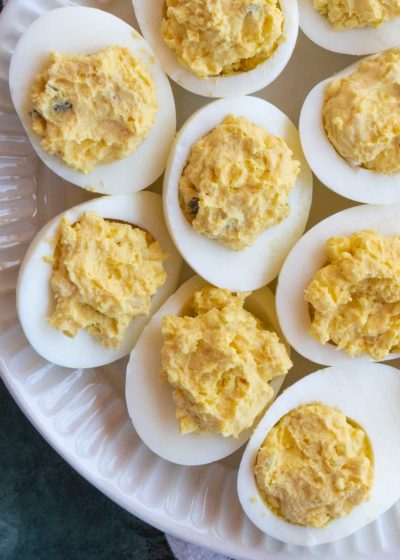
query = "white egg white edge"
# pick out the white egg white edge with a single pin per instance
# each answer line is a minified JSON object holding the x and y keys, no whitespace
{"x":300,"y":267}
{"x":254,"y":266}
{"x":35,"y":297}
{"x":81,"y":30}
{"x":149,"y":14}
{"x":349,"y":180}
{"x":367,"y":394}
{"x":366,"y":40}
{"x":149,"y":400}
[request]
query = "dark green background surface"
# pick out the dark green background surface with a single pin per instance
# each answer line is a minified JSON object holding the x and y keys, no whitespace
{"x":49,"y":512}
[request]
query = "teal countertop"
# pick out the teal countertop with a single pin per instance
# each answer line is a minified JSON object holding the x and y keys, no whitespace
{"x":49,"y":512}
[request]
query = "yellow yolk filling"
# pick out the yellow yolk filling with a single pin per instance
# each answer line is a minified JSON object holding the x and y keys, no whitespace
{"x":355,"y":298}
{"x":104,"y":275}
{"x":361,"y":114}
{"x":347,"y":14}
{"x":220,"y":37}
{"x":237,"y":182}
{"x":315,"y":465}
{"x":93,"y":109}
{"x":219,"y":363}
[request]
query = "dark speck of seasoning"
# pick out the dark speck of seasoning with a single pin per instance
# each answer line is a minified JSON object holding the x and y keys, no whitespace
{"x":52,"y":87}
{"x":193,"y":205}
{"x":62,"y":107}
{"x":34,"y":114}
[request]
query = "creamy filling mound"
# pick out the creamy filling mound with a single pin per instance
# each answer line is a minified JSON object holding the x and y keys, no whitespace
{"x":221,"y":37}
{"x":348,"y":14}
{"x":219,"y":363}
{"x":104,"y":275}
{"x":93,"y":109}
{"x":361,"y":114}
{"x":237,"y":182}
{"x":315,"y":465}
{"x":355,"y":297}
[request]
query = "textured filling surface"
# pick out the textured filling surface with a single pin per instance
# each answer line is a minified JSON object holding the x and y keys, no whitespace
{"x":104,"y":275}
{"x":237,"y":182}
{"x":219,"y":362}
{"x":315,"y":465}
{"x":221,"y":37}
{"x":93,"y":109}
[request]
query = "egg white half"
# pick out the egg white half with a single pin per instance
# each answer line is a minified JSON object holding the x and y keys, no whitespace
{"x":80,"y":30}
{"x":149,"y":14}
{"x":339,"y":175}
{"x":300,"y":267}
{"x":369,"y":394}
{"x":365,"y":40}
{"x":150,"y":403}
{"x":257,"y":265}
{"x":35,"y":298}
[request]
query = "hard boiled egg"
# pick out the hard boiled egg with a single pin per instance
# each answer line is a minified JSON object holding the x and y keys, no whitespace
{"x":150,"y":403}
{"x":34,"y":294}
{"x":367,"y":394}
{"x":358,"y":41}
{"x":338,"y":174}
{"x":254,"y":266}
{"x":80,"y":30}
{"x":149,"y":14}
{"x":305,"y":259}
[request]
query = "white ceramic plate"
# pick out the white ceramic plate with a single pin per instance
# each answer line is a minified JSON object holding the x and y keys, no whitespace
{"x":82,"y":413}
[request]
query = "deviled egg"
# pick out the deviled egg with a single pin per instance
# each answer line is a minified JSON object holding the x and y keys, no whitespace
{"x":203,"y":370}
{"x":343,"y":470}
{"x":220,"y":49}
{"x":92,"y":277}
{"x":237,"y":192}
{"x":93,"y":100}
{"x":356,"y":28}
{"x":338,"y":292}
{"x":349,"y":130}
